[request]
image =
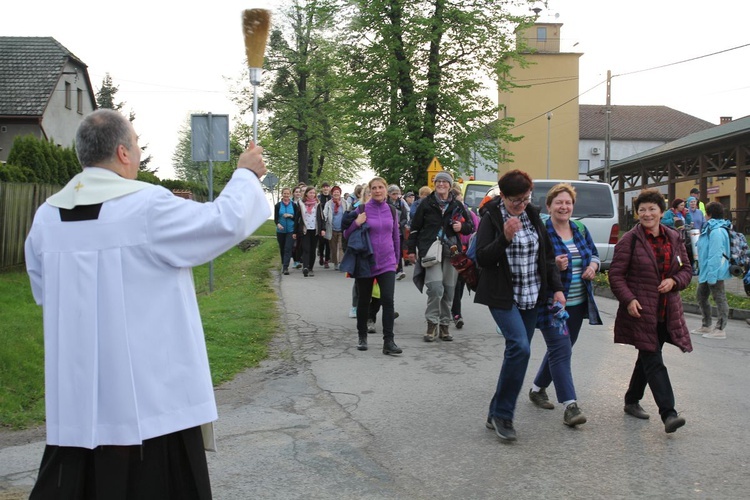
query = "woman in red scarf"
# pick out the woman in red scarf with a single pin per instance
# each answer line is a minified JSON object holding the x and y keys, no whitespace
{"x":311,"y":224}
{"x":333,"y":213}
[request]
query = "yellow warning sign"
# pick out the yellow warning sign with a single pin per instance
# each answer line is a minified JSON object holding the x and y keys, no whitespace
{"x":433,"y":169}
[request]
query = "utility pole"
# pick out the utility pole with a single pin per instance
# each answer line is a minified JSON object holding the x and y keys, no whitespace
{"x":549,"y":121}
{"x":608,"y":111}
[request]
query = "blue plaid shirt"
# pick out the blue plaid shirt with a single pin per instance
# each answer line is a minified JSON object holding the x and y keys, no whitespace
{"x":589,"y":254}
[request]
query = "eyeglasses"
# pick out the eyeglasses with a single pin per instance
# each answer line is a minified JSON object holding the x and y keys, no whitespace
{"x":518,"y":203}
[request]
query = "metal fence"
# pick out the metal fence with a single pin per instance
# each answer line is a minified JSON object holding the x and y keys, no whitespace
{"x":18,"y":204}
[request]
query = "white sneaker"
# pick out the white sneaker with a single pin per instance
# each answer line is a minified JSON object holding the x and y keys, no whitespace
{"x":715,"y":334}
{"x":702,"y":330}
{"x":353,"y":312}
{"x":400,"y":276}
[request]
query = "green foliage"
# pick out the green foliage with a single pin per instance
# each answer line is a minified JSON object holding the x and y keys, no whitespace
{"x":42,"y":160}
{"x":12,"y":173}
{"x":415,"y":81}
{"x":148,"y":177}
{"x":306,"y":134}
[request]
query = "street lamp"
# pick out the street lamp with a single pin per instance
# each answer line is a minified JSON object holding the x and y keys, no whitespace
{"x":549,"y":121}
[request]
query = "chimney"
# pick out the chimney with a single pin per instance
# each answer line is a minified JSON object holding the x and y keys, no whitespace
{"x":724,"y":119}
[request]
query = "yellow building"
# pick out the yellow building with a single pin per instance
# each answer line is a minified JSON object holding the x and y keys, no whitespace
{"x":549,"y":130}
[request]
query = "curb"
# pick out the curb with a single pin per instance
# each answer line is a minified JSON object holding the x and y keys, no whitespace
{"x":689,"y":307}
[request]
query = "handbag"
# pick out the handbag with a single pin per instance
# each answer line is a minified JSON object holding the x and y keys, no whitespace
{"x":434,"y":254}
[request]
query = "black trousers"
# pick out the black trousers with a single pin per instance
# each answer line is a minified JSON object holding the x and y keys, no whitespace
{"x":309,"y":242}
{"x":166,"y":467}
{"x":324,"y":249}
{"x":650,"y":370}
{"x":387,"y":283}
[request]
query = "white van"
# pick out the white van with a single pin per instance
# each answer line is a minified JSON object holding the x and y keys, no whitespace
{"x":595,"y":207}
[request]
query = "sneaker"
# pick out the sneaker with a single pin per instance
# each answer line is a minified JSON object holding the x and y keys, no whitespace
{"x":636,"y":410}
{"x":540,"y":399}
{"x":321,"y":261}
{"x":305,"y":271}
{"x":298,"y":265}
{"x":672,"y":423}
{"x":362,"y":344}
{"x":335,"y":267}
{"x":715,"y":334}
{"x":353,"y":312}
{"x":326,"y":266}
{"x":400,"y":276}
{"x":503,"y":428}
{"x":286,"y":271}
{"x":702,"y":330}
{"x":390,"y":347}
{"x":311,"y":273}
{"x":370,"y":327}
{"x":459,"y":321}
{"x":573,"y":416}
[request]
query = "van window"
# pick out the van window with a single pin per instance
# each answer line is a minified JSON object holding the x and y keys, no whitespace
{"x":474,"y":195}
{"x":588,"y":200}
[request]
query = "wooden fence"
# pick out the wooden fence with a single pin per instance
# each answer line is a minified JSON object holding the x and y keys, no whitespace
{"x":18,"y":204}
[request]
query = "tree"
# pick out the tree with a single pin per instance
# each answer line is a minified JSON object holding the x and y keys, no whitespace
{"x":105,"y":98}
{"x":306,"y":134}
{"x":415,"y":78}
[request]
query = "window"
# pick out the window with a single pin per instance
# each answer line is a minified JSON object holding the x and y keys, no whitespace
{"x":67,"y":95}
{"x":583,"y":167}
{"x":541,"y":34}
{"x":80,"y":101}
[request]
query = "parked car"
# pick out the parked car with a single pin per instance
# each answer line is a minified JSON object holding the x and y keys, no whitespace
{"x":595,"y":207}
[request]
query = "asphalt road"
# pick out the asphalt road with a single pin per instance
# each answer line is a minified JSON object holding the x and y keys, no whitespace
{"x":321,"y":420}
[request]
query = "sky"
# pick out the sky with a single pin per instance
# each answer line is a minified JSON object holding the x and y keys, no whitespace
{"x":169,"y":62}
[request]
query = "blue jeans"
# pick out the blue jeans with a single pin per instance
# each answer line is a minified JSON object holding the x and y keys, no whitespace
{"x":555,"y":366}
{"x":518,"y":328}
{"x":286,"y":242}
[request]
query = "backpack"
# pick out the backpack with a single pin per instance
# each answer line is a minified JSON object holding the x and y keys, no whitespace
{"x":738,"y":248}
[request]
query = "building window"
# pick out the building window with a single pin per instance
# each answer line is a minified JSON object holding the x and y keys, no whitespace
{"x":583,"y":167}
{"x":541,"y":34}
{"x":67,"y":95}
{"x":80,"y":101}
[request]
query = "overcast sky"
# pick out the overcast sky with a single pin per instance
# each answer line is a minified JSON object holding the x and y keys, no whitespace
{"x":170,"y":62}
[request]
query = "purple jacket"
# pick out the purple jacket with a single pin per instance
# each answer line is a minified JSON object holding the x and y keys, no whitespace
{"x":384,"y":236}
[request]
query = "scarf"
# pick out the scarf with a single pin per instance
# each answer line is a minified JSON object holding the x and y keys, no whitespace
{"x":336,"y":205}
{"x":310,"y":204}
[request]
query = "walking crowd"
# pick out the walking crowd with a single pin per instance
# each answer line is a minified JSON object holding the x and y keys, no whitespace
{"x":535,"y":272}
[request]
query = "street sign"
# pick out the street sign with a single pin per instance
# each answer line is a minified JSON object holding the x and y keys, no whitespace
{"x":270,"y":180}
{"x":433,"y":169}
{"x":210,"y":137}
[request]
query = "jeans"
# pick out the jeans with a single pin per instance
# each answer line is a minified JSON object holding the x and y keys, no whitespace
{"x":555,"y":366}
{"x":440,"y":281}
{"x":518,"y":328}
{"x":335,"y":246}
{"x":458,"y":294}
{"x":387,"y":283}
{"x":650,"y":370}
{"x":286,"y":242}
{"x":720,"y":297}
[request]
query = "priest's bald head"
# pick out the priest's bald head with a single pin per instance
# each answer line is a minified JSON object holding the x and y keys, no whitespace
{"x":106,"y":139}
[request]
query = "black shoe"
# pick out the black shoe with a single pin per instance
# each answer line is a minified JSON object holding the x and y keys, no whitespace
{"x":503,"y":428}
{"x":395,"y":314}
{"x":573,"y":416}
{"x":635,"y":410}
{"x":390,"y":347}
{"x":541,"y":399}
{"x":362,"y":345}
{"x":286,"y":271}
{"x":672,"y":423}
{"x":459,"y":321}
{"x":305,"y":271}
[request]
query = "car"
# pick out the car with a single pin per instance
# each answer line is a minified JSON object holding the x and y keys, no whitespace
{"x":474,"y":192}
{"x":596,"y":208}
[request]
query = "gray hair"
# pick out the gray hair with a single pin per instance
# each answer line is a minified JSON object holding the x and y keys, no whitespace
{"x":392,"y":188}
{"x":99,"y":135}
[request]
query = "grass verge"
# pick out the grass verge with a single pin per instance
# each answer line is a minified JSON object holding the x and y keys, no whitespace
{"x":239,"y":319}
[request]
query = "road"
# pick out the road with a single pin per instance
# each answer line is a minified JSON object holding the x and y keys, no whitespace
{"x":321,"y":420}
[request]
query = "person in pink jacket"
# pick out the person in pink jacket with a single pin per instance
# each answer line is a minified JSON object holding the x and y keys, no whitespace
{"x":649,"y":268}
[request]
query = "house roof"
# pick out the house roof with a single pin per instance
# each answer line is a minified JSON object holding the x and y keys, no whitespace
{"x":30,"y":68}
{"x":638,"y":123}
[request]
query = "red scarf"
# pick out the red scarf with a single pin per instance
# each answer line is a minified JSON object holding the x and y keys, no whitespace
{"x":310,"y":204}
{"x":336,"y":205}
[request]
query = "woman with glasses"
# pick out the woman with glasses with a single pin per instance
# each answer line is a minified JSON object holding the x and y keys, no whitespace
{"x":439,"y":216}
{"x":577,"y":259}
{"x":518,"y":274}
{"x":649,"y":268}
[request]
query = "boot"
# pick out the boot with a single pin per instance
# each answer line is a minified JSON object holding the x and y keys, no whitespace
{"x":362,"y":344}
{"x":430,"y":335}
{"x":445,"y":334}
{"x":390,"y":347}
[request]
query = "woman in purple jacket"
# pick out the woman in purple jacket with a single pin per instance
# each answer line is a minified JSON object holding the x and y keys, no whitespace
{"x":649,"y":268}
{"x":384,"y":236}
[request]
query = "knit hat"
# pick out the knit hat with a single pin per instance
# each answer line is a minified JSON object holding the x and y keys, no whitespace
{"x":444,"y":176}
{"x":335,"y":188}
{"x":676,"y":202}
{"x":393,"y":188}
{"x":408,"y":194}
{"x":690,"y":198}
